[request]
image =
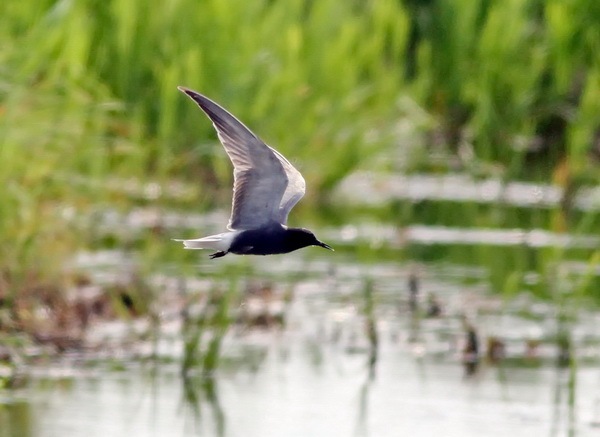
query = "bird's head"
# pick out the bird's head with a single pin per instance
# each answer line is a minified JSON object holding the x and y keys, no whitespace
{"x":299,"y":238}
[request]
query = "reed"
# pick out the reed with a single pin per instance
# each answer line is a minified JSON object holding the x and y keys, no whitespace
{"x":88,"y":100}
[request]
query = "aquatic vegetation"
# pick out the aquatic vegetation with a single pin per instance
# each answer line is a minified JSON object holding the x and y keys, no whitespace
{"x":203,"y":333}
{"x":92,"y":128}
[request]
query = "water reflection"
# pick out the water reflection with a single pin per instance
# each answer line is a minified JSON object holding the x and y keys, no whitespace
{"x":364,"y":357}
{"x":374,"y":188}
{"x":564,"y":408}
{"x":201,"y":390}
{"x":16,"y":419}
{"x":396,"y":237}
{"x":362,"y":427}
{"x":421,"y":397}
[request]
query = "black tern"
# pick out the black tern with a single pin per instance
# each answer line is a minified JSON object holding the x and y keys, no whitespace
{"x":266,"y":187}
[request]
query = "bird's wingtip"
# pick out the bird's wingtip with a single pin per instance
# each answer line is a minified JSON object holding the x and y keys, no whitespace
{"x":196,"y":97}
{"x":191,"y":93}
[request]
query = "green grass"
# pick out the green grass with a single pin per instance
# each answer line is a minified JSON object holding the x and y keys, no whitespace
{"x":88,"y":104}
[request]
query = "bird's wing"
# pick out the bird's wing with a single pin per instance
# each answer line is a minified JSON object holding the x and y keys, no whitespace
{"x":294,"y":191}
{"x":266,"y":186}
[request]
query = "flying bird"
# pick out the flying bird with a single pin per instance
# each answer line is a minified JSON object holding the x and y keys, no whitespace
{"x":265,"y":188}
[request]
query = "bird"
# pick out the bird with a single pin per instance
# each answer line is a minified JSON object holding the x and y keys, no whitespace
{"x":266,"y":187}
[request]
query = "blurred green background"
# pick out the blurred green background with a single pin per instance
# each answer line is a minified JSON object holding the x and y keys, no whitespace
{"x":91,"y":120}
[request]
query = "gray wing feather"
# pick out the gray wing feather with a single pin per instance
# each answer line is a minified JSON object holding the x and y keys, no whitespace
{"x":294,"y":191}
{"x":266,"y":186}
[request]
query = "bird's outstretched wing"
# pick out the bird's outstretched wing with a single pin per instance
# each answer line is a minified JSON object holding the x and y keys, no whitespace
{"x":266,"y":186}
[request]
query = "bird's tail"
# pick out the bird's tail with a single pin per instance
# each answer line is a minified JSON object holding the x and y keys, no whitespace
{"x":215,"y":242}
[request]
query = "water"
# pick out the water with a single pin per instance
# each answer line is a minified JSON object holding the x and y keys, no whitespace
{"x":335,"y":368}
{"x":312,"y":378}
{"x":293,"y":396}
{"x":371,"y":188}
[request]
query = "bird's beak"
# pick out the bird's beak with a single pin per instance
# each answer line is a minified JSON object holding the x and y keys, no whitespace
{"x":326,"y":246}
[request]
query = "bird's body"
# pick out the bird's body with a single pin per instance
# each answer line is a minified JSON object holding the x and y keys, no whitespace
{"x":266,"y":187}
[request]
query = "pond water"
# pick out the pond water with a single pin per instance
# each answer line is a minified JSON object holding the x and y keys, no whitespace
{"x":360,"y":342}
{"x":290,"y":395}
{"x":313,"y":378}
